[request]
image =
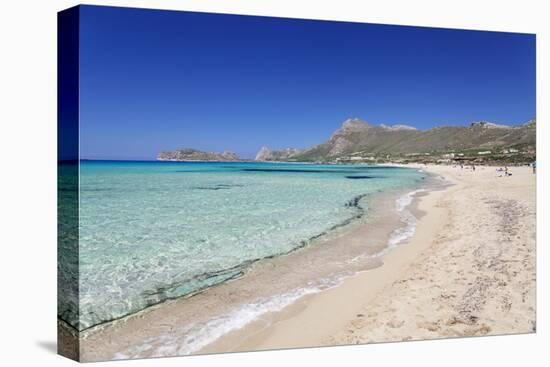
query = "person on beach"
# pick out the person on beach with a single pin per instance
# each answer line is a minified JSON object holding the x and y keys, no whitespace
{"x":534,"y":164}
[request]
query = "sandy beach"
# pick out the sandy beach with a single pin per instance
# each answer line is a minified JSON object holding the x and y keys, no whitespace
{"x":469,"y":270}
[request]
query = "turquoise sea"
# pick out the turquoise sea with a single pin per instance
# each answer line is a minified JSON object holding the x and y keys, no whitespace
{"x":151,"y":231}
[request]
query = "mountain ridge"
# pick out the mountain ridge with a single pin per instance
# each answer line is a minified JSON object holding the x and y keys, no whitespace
{"x":357,"y":141}
{"x":359,"y":136}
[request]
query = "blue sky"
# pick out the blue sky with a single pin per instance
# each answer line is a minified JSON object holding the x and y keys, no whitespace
{"x":158,"y":80}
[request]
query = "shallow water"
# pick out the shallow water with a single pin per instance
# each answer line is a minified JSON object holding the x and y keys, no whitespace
{"x":150,"y":231}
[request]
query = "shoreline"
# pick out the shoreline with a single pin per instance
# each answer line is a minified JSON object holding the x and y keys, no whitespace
{"x":265,"y":226}
{"x":338,"y":313}
{"x":404,"y":299}
{"x":298,"y":326}
{"x":246,"y":338}
{"x":273,"y":284}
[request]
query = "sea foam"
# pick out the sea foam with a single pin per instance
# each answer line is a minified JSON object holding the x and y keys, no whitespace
{"x":196,"y":336}
{"x":407,"y":218}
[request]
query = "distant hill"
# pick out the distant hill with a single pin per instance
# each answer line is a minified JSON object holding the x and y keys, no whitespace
{"x":358,"y":140}
{"x":188,"y":154}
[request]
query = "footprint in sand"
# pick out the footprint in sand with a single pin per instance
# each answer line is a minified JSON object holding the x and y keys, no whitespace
{"x":394,"y":324}
{"x":430,"y":326}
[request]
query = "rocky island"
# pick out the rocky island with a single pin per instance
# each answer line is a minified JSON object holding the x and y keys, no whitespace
{"x":188,"y":154}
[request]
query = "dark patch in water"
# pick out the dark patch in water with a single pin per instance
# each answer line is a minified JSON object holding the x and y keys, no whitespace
{"x":354,"y":203}
{"x":376,"y":167}
{"x":216,"y":187}
{"x":196,"y":171}
{"x":360,"y":177}
{"x":210,"y":188}
{"x":290,"y":170}
{"x":284,"y":170}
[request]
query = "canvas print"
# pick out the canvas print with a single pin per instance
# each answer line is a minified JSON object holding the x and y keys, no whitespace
{"x":242,"y":183}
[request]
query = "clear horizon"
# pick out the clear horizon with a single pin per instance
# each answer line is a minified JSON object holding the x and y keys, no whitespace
{"x":155,"y":80}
